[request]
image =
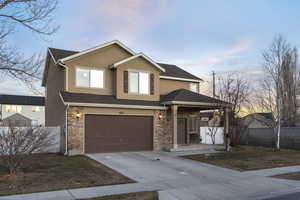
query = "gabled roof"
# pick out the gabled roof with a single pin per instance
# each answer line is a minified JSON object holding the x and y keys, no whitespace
{"x":96,"y":48}
{"x":171,"y":71}
{"x":268,"y":116}
{"x":60,"y":53}
{"x":137,"y":56}
{"x":17,"y":116}
{"x":183,"y":96}
{"x":22,"y":100}
{"x":175,"y":71}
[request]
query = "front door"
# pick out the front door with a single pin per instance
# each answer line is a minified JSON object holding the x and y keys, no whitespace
{"x":181,"y":131}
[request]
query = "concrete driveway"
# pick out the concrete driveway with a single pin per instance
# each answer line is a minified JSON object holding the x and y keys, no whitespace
{"x":178,"y":178}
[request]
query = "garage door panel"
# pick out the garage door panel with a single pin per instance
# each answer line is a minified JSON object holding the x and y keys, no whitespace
{"x":108,"y":133}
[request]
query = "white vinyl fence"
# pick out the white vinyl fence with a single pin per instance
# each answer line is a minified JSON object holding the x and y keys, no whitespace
{"x":206,"y":138}
{"x":54,"y":133}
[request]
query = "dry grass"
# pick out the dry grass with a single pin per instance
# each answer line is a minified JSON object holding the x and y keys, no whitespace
{"x":130,"y":196}
{"x":290,"y":176}
{"x":48,"y":172}
{"x":245,"y":158}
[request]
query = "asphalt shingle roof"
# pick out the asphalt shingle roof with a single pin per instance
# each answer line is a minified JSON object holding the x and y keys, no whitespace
{"x":177,"y":95}
{"x":189,"y":96}
{"x":60,"y":53}
{"x":22,"y":100}
{"x":103,"y":99}
{"x":175,"y":71}
{"x":171,"y":70}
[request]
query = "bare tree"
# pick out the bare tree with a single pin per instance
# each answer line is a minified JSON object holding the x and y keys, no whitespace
{"x":18,"y":143}
{"x":33,"y":15}
{"x":234,"y":89}
{"x":213,"y":128}
{"x":279,"y":86}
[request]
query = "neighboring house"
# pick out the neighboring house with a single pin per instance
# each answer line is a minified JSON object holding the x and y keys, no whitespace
{"x":110,"y":99}
{"x":26,"y":107}
{"x":17,"y":120}
{"x":258,"y":120}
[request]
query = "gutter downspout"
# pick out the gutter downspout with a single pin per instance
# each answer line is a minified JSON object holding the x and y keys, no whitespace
{"x":66,"y":130}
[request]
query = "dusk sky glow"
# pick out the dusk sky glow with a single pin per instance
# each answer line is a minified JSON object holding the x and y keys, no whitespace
{"x":197,"y":35}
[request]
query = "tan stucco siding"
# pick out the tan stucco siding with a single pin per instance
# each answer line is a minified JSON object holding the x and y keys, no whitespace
{"x":54,"y":107}
{"x":166,"y":86}
{"x":141,"y":65}
{"x":99,"y":59}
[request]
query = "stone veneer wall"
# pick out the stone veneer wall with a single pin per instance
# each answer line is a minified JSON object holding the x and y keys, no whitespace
{"x":75,"y":131}
{"x":162,"y":136}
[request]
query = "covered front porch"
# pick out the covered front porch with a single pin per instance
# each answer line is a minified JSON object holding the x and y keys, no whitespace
{"x":185,"y":119}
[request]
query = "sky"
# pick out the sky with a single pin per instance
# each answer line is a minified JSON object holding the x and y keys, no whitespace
{"x":200,"y":36}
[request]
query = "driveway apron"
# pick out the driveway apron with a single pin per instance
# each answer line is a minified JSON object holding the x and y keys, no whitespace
{"x":184,"y":179}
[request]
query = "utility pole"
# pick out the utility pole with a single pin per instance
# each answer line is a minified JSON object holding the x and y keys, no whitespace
{"x":214,"y":84}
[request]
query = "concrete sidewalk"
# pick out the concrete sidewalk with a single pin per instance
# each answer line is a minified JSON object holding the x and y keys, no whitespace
{"x":274,"y":171}
{"x":175,"y":178}
{"x":91,"y":192}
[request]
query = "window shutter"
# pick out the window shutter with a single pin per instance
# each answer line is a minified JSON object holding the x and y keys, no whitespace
{"x":151,"y":84}
{"x":125,"y":83}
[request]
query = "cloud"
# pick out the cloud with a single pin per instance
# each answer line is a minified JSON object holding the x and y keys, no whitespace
{"x":125,"y":20}
{"x":232,"y":58}
{"x":218,"y":57}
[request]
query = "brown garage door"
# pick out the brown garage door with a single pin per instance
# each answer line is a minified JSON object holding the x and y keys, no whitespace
{"x":112,"y":133}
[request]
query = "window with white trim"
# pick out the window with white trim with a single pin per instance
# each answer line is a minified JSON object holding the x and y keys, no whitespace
{"x":139,"y":82}
{"x":90,"y":78}
{"x":194,"y":87}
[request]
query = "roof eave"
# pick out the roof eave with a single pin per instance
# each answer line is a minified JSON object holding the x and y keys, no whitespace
{"x":102,"y":105}
{"x":136,"y":56}
{"x":181,"y":79}
{"x":196,"y":103}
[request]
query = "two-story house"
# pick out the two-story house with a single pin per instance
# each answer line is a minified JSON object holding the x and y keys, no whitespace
{"x":110,"y":99}
{"x":20,"y":110}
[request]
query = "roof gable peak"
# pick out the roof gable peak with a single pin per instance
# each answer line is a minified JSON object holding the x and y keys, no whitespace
{"x":96,"y":48}
{"x":136,"y":56}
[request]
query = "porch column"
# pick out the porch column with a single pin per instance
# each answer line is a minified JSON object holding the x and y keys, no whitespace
{"x":226,"y":128}
{"x":174,"y":109}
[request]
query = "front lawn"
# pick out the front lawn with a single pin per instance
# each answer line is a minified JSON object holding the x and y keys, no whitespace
{"x":48,"y":172}
{"x":290,"y":176}
{"x":130,"y":196}
{"x":245,"y":158}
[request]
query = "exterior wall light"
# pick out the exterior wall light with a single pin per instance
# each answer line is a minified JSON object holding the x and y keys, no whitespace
{"x":78,"y":115}
{"x":160,"y":116}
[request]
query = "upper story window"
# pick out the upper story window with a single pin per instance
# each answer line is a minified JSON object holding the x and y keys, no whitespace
{"x":139,"y":82}
{"x":36,"y":109}
{"x":89,"y":78}
{"x":13,"y":108}
{"x":194,"y":87}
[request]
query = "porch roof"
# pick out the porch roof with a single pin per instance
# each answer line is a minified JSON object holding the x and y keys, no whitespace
{"x":186,"y":97}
